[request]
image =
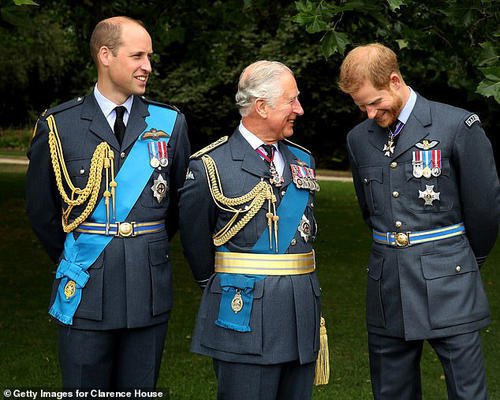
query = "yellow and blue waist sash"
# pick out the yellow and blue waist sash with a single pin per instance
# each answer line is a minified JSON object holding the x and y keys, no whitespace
{"x":81,"y":253}
{"x":405,"y":239}
{"x":238,"y":272}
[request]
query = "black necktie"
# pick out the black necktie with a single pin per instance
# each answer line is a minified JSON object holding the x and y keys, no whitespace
{"x":119,"y":124}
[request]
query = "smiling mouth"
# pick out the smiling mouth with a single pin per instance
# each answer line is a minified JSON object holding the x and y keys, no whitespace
{"x":142,"y":78}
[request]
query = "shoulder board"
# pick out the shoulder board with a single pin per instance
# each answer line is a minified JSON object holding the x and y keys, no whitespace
{"x":471,"y":119}
{"x":61,"y":107}
{"x":210,"y":147}
{"x":290,"y":143}
{"x":157,"y":103}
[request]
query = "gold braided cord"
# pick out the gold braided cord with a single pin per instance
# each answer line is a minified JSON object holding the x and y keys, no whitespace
{"x":257,"y":197}
{"x":100,"y":159}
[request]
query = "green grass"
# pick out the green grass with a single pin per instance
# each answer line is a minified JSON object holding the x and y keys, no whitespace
{"x":28,"y":338}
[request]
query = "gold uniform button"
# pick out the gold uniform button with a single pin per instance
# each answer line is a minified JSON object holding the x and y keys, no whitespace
{"x":398,"y":224}
{"x":122,"y":155}
{"x":458,"y":268}
{"x":82,"y":171}
{"x":293,"y":242}
{"x":395,"y":194}
{"x":394,"y":164}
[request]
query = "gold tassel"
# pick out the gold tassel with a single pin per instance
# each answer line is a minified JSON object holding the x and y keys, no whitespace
{"x":322,"y":371}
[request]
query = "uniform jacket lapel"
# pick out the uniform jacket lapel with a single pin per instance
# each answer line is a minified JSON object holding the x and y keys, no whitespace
{"x":416,"y":127}
{"x":241,"y":150}
{"x":98,"y":124}
{"x":136,"y":122}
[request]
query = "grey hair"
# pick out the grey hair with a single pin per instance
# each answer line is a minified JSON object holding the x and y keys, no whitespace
{"x":259,"y":80}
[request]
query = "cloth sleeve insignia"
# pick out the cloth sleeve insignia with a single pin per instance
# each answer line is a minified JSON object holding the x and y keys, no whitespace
{"x":470,"y":120}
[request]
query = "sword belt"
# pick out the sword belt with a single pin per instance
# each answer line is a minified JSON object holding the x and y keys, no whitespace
{"x":121,"y":229}
{"x":405,"y":239}
{"x":264,"y":264}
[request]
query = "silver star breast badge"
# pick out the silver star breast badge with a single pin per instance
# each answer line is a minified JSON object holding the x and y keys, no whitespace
{"x":304,"y":228}
{"x":159,"y":188}
{"x":429,"y":195}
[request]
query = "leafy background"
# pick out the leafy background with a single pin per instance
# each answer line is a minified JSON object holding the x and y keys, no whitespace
{"x":448,"y":51}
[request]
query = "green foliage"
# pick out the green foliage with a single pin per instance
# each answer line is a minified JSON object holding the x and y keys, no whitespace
{"x":202,"y":46}
{"x":457,"y":47}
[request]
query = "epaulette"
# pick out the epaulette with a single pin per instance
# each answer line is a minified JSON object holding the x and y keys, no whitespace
{"x":471,"y":119}
{"x":61,"y":107}
{"x":210,"y":147}
{"x":296,"y":145}
{"x":157,"y":103}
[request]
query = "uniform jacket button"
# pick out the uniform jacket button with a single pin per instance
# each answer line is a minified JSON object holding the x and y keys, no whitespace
{"x":394,"y":164}
{"x":458,"y":268}
{"x":293,"y":242}
{"x":122,"y":155}
{"x":398,"y":224}
{"x":395,"y":194}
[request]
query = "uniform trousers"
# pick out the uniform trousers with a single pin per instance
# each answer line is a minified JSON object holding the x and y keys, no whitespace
{"x":111,"y":360}
{"x":395,"y":366}
{"x":287,"y":381}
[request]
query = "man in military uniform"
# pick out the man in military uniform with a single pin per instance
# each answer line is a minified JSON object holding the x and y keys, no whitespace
{"x":427,"y":186}
{"x":108,"y":165}
{"x":247,"y":227}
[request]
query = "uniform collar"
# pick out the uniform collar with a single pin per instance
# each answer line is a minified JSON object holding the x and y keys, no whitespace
{"x":251,"y":138}
{"x":107,"y":106}
{"x":408,"y":108}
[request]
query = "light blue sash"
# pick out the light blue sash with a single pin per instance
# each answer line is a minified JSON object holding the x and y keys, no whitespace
{"x":79,"y":255}
{"x":290,"y":211}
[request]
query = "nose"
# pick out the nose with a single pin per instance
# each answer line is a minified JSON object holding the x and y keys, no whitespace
{"x":371,"y":112}
{"x":297,"y":108}
{"x":146,"y":65}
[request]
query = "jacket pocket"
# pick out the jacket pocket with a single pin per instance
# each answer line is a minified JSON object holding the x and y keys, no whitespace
{"x":441,"y":184}
{"x":161,"y":277}
{"x":91,"y":305}
{"x":372,"y":180}
{"x":374,"y":305}
{"x":228,"y":340}
{"x":455,"y":293}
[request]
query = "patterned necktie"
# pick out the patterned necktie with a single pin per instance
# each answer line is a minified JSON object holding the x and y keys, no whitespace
{"x":276,"y":179}
{"x":119,"y":127}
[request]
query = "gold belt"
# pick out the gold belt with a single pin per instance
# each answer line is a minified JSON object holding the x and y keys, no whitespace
{"x":265,"y":264}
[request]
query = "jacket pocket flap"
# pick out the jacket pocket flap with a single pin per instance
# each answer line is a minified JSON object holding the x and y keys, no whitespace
{"x":369,"y":174}
{"x":376,"y":266}
{"x":455,"y":263}
{"x":158,"y":252}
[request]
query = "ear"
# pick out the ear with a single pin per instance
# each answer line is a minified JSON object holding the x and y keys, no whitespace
{"x":395,"y":81}
{"x":103,"y":55}
{"x":261,"y":107}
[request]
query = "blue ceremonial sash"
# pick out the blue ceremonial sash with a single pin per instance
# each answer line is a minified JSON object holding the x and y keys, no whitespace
{"x":290,"y":211}
{"x":81,"y":253}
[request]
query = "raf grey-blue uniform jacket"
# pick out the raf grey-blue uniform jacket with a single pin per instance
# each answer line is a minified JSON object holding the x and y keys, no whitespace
{"x":285,"y":315}
{"x":130,"y":283}
{"x":432,"y":289}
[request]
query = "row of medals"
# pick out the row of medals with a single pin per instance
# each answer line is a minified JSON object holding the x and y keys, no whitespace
{"x":159,"y":187}
{"x":419,"y":171}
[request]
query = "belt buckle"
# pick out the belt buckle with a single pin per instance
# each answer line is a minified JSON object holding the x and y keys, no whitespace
{"x":402,"y":239}
{"x":125,"y":229}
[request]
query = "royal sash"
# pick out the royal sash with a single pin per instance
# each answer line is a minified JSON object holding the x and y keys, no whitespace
{"x":290,"y":211}
{"x":81,"y":253}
